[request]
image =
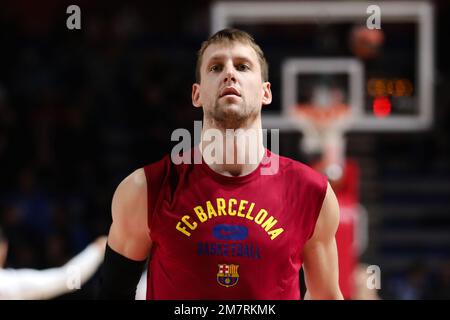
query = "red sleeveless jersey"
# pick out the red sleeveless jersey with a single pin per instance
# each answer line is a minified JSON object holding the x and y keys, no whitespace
{"x":220,"y":237}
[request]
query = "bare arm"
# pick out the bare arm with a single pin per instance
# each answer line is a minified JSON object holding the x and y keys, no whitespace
{"x":25,"y":284}
{"x":129,"y":240}
{"x":320,"y":253}
{"x":129,"y":233}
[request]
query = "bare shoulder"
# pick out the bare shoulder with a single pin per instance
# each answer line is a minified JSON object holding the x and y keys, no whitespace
{"x":129,"y":233}
{"x":131,"y":193}
{"x":328,"y":220}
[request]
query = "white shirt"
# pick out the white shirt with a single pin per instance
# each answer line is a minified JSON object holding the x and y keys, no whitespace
{"x":31,"y":284}
{"x":141,"y":290}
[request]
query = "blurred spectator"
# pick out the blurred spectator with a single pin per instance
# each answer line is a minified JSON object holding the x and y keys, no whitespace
{"x":25,"y":284}
{"x":441,"y":282}
{"x":413,"y":285}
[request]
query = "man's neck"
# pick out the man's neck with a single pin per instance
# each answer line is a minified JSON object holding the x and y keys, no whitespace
{"x":232,"y":152}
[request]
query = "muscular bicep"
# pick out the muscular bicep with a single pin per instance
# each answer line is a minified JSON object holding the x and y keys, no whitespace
{"x":320,"y":253}
{"x":129,"y":232}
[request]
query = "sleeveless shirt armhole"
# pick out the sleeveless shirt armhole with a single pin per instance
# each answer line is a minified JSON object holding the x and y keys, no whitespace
{"x":322,"y":187}
{"x":155,"y":174}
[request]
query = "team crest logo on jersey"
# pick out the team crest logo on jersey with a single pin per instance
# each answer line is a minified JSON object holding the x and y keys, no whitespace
{"x":228,"y":275}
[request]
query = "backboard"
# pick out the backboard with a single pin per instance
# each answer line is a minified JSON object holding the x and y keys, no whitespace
{"x":385,"y":75}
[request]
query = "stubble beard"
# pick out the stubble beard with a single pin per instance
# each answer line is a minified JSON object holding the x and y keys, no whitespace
{"x":225,"y":116}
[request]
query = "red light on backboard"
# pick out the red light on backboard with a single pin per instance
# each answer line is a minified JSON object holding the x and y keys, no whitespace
{"x":381,"y":107}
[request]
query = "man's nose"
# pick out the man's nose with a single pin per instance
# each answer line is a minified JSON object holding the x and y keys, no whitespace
{"x":230,"y":75}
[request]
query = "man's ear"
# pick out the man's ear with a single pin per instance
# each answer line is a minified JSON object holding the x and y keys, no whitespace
{"x":196,"y":95}
{"x":267,"y":93}
{"x":3,"y":252}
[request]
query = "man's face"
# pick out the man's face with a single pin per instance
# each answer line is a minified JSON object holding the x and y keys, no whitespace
{"x":231,"y":91}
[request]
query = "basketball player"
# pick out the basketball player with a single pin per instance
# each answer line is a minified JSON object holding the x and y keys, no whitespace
{"x":31,"y":284}
{"x":220,"y":228}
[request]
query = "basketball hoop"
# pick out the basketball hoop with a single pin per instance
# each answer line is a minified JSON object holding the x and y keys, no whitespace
{"x":323,"y":128}
{"x":322,"y":117}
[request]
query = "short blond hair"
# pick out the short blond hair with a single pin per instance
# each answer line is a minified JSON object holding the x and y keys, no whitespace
{"x":233,"y":35}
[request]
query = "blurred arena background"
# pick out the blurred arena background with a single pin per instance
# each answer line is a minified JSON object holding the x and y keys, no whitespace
{"x":81,"y":109}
